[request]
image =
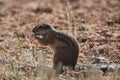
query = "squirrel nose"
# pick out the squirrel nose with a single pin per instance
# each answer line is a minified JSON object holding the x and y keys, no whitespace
{"x":33,"y":30}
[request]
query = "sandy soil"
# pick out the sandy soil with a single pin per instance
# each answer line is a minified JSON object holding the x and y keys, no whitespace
{"x":97,"y":29}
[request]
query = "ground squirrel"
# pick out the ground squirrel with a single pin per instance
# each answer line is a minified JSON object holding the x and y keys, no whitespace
{"x":65,"y":46}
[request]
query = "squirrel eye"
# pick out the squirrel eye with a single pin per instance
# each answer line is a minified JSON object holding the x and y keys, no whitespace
{"x":47,"y":26}
{"x":40,"y":27}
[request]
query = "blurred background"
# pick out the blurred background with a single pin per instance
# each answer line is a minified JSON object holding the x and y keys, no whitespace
{"x":95,"y":24}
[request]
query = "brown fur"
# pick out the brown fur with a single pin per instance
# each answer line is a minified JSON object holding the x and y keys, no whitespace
{"x":65,"y":46}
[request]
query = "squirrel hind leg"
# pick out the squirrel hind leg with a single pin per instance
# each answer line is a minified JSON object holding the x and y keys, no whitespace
{"x":58,"y":66}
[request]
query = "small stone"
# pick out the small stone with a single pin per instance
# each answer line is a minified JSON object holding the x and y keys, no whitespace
{"x":101,"y":60}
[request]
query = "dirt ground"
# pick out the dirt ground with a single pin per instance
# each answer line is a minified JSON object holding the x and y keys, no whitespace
{"x":97,"y":24}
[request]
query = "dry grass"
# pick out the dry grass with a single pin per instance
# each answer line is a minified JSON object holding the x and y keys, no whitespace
{"x":25,"y":63}
{"x":21,"y":59}
{"x":25,"y":66}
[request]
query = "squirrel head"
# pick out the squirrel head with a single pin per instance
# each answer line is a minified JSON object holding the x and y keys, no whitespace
{"x":42,"y":30}
{"x":41,"y":27}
